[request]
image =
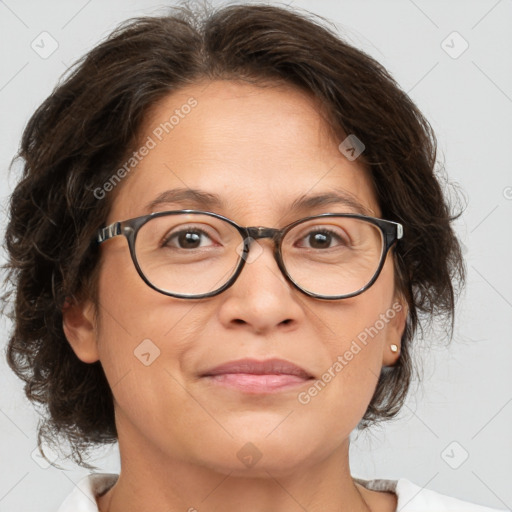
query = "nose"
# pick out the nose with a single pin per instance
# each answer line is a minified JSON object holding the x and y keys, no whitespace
{"x":261,"y":300}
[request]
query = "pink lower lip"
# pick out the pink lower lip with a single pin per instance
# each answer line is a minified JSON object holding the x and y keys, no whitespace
{"x":254,"y":383}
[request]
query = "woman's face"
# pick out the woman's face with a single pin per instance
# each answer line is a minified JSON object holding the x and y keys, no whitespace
{"x":258,"y":150}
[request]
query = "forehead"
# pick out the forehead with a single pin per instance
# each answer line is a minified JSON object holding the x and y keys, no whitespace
{"x":258,"y":150}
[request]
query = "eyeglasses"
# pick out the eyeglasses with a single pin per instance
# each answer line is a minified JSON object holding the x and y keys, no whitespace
{"x":193,"y":254}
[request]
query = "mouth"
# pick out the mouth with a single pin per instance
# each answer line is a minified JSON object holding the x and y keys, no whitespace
{"x":252,"y":376}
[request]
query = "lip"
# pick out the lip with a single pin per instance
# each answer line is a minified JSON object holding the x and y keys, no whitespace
{"x":253,"y":376}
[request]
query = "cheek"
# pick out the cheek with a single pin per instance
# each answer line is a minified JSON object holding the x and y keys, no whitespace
{"x":358,"y":333}
{"x":143,"y":336}
{"x":131,"y":311}
{"x":144,"y":339}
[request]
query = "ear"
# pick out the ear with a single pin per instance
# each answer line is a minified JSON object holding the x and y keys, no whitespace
{"x":79,"y":326}
{"x":397,"y":315}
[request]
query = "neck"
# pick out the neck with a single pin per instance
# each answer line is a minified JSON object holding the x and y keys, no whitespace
{"x":151,"y":482}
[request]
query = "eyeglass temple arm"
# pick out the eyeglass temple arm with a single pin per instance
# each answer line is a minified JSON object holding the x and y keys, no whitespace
{"x":109,"y":232}
{"x":399,"y":230}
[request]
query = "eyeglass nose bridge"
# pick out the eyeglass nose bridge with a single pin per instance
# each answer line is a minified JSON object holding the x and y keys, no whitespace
{"x":259,"y":232}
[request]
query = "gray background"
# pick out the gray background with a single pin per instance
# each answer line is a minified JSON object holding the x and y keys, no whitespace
{"x":463,"y":407}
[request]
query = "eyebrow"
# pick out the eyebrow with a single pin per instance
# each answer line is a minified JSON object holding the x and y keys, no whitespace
{"x":330,"y":198}
{"x":194,"y":197}
{"x":199,"y":199}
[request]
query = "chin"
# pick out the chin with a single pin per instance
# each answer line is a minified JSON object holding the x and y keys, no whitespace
{"x":257,"y":454}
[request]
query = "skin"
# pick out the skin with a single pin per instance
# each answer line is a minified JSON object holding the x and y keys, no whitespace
{"x":259,"y":149}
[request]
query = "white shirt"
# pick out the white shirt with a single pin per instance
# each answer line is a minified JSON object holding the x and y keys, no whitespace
{"x":411,"y":498}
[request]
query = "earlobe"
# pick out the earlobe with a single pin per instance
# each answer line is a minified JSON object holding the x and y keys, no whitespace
{"x":79,"y":326}
{"x":395,"y":330}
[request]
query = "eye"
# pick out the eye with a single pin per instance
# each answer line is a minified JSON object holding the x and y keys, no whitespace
{"x":189,"y":238}
{"x":323,"y":238}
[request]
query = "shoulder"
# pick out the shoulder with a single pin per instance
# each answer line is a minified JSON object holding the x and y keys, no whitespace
{"x":413,"y":498}
{"x":83,"y":497}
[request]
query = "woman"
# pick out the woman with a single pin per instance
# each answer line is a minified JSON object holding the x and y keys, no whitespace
{"x":226,"y":233}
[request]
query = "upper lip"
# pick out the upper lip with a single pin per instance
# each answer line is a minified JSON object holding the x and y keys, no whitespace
{"x":266,"y":367}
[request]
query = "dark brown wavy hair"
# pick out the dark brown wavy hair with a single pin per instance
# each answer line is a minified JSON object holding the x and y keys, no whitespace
{"x":87,"y":126}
